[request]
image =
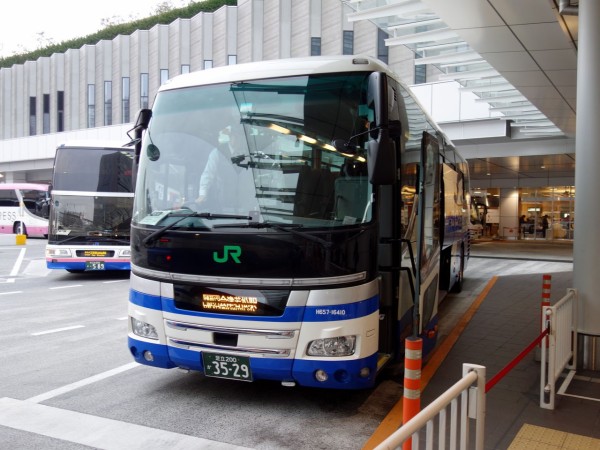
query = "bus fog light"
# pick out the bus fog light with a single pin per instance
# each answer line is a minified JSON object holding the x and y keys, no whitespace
{"x":321,"y":375}
{"x":336,"y":346}
{"x":148,"y":356}
{"x":143,"y":329}
{"x":365,"y":372}
{"x":125,"y":253}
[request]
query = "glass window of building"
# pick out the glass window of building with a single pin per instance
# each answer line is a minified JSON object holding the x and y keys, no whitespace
{"x":108,"y":103}
{"x":164,"y":76}
{"x":144,"y":90}
{"x":231,"y":60}
{"x":185,"y":68}
{"x":420,"y":71}
{"x":60,"y":111}
{"x":348,"y":42}
{"x":382,"y":50}
{"x":315,"y":46}
{"x":46,"y":114}
{"x":32,"y":116}
{"x":547,"y":212}
{"x":91,"y":106}
{"x":208,"y":64}
{"x":125,"y":107}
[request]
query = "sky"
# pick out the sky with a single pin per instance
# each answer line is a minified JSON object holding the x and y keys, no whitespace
{"x":60,"y":20}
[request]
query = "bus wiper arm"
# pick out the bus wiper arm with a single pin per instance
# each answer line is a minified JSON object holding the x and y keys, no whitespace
{"x":205,"y":215}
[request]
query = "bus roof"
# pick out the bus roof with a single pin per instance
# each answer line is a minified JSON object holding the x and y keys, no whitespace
{"x":96,"y":144}
{"x":277,"y":68}
{"x":34,"y":186}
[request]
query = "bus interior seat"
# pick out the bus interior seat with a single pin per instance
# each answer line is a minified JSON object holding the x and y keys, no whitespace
{"x":314,"y":193}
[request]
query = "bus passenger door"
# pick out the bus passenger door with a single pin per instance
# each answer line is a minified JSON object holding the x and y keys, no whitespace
{"x":428,"y":237}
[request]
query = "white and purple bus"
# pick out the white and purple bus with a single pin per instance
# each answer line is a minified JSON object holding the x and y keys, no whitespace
{"x":24,"y":208}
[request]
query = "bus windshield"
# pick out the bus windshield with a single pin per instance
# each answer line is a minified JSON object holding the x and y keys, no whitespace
{"x":92,"y":195}
{"x":91,"y":216}
{"x":261,"y":149}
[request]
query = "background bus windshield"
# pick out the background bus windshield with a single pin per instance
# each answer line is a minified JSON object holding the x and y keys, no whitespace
{"x":91,"y":194}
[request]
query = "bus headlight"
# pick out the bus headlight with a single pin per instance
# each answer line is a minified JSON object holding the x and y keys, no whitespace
{"x":125,"y":253}
{"x":336,"y":346}
{"x":143,"y":329}
{"x":58,"y":253}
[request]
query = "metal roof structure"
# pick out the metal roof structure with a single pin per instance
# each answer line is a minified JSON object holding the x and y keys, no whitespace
{"x":519,"y":57}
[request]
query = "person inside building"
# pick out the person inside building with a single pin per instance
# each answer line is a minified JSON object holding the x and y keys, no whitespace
{"x":545,"y":225}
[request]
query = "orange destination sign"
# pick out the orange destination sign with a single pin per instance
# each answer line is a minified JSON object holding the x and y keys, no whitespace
{"x":229,"y":303}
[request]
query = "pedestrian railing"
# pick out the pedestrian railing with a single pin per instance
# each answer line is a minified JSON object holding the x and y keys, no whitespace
{"x":455,"y":433}
{"x":559,"y":347}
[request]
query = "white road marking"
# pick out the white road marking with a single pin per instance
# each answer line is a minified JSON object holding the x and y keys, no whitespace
{"x":115,"y":281}
{"x":123,"y":318}
{"x":11,"y":292}
{"x":57,"y":330}
{"x":18,"y":262}
{"x":66,"y":287}
{"x":96,"y":432}
{"x":81,"y":383}
{"x":16,"y":267}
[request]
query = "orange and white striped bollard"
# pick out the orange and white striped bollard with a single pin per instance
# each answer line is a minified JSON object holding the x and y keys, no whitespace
{"x":411,"y":398}
{"x":546,"y":285}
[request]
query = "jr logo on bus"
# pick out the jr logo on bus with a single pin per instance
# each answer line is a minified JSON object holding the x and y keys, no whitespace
{"x":229,"y":251}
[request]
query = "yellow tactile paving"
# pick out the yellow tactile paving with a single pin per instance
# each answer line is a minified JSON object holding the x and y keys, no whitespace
{"x":531,"y":437}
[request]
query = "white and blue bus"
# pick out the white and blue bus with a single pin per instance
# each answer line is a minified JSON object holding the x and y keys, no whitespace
{"x":90,"y":209}
{"x":275,"y":233}
{"x":24,"y":208}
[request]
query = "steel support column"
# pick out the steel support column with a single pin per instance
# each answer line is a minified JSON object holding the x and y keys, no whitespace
{"x":586,"y":247}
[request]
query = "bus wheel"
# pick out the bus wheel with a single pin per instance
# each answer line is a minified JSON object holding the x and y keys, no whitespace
{"x":19,"y":228}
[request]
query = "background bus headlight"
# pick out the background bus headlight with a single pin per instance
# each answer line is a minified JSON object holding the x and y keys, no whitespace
{"x":336,"y":346}
{"x":125,"y":253}
{"x":58,"y":252}
{"x":143,"y":329}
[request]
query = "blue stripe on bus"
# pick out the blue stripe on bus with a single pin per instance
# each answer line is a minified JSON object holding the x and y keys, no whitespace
{"x":145,"y":300}
{"x":327,"y":313}
{"x":108,"y":265}
{"x":344,"y":311}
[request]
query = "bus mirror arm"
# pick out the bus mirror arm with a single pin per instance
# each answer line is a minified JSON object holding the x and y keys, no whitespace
{"x":344,"y":146}
{"x":141,"y":124}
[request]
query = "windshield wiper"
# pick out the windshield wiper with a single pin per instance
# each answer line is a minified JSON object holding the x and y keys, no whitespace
{"x":291,"y":227}
{"x":205,"y":215}
{"x":85,"y":238}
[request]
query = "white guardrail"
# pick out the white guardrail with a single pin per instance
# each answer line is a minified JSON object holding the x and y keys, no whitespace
{"x":471,"y":390}
{"x":560,"y":345}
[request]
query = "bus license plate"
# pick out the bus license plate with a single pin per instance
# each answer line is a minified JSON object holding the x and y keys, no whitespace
{"x":94,"y":265}
{"x":227,"y":366}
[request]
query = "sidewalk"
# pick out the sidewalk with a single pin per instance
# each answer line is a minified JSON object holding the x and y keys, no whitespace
{"x":506,"y":322}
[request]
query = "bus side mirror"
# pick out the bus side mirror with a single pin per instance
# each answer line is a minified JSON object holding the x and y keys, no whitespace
{"x":381,"y":151}
{"x":141,"y":124}
{"x":381,"y":159}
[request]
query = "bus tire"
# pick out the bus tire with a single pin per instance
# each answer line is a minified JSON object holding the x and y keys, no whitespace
{"x":19,"y":228}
